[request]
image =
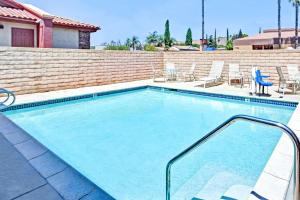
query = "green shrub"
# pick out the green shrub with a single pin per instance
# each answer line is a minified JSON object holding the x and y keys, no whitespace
{"x":149,"y":47}
{"x":117,"y":47}
{"x":229,"y":45}
{"x":196,"y":45}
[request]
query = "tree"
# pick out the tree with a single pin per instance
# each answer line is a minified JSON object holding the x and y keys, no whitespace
{"x":229,"y":45}
{"x":152,"y":38}
{"x":160,"y":41}
{"x":240,"y":35}
{"x":279,"y":23}
{"x":259,"y":31}
{"x":128,"y":42}
{"x":296,"y":4}
{"x":189,"y":37}
{"x":134,"y":42}
{"x":203,"y":32}
{"x":210,"y":41}
{"x":167,"y":36}
{"x":227,"y":35}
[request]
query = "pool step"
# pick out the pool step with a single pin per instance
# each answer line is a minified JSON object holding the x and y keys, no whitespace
{"x":240,"y":192}
{"x":235,"y":192}
{"x":217,"y":188}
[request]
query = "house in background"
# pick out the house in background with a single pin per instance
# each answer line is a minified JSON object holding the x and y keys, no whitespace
{"x":266,"y":40}
{"x":199,"y":42}
{"x":24,"y":25}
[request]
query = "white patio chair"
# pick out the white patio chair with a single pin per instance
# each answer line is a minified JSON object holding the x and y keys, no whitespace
{"x":214,"y":76}
{"x":158,"y":74}
{"x":285,"y":83}
{"x":190,"y":75}
{"x":234,"y":73}
{"x":170,"y":72}
{"x":293,"y":71}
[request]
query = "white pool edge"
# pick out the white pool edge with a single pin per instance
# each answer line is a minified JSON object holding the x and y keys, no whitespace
{"x":275,"y":179}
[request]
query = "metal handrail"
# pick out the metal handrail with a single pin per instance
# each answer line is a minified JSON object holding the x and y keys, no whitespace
{"x":226,"y":124}
{"x":9,"y":95}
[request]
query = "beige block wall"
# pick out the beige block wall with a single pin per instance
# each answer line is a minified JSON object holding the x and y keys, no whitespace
{"x":265,"y":60}
{"x":29,"y":70}
{"x":5,"y":33}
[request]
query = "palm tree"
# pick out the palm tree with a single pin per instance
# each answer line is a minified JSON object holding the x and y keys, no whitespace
{"x":133,"y":42}
{"x":160,"y":41}
{"x":153,"y":38}
{"x":279,"y":23}
{"x":203,"y":33}
{"x":296,"y":3}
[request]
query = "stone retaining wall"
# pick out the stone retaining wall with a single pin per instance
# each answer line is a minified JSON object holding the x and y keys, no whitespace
{"x":29,"y":70}
{"x":26,"y":70}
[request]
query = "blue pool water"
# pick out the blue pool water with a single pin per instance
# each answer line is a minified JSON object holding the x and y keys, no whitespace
{"x":122,"y":142}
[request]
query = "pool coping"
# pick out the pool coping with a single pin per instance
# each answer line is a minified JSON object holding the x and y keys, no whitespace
{"x":269,"y":179}
{"x":163,"y":88}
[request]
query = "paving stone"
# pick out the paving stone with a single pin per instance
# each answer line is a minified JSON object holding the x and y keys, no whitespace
{"x":98,"y":194}
{"x":17,"y":176}
{"x":70,"y":184}
{"x":7,"y":126}
{"x":31,"y":149}
{"x":45,"y":192}
{"x":48,"y":164}
{"x":17,"y":136}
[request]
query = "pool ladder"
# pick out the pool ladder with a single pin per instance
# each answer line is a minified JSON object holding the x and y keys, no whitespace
{"x":8,"y":100}
{"x":232,"y":120}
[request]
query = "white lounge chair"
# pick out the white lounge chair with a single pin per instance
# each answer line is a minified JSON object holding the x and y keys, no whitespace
{"x":170,"y":72}
{"x":190,"y":75}
{"x":214,"y":76}
{"x":234,"y":73}
{"x":293,"y":71}
{"x":158,"y":74}
{"x":285,"y":83}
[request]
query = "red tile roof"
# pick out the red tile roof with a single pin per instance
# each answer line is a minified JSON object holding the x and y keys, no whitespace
{"x":31,"y":13}
{"x":16,"y":13}
{"x":68,"y":22}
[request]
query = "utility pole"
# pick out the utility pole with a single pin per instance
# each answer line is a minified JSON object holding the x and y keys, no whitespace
{"x":279,"y":23}
{"x":202,"y":25}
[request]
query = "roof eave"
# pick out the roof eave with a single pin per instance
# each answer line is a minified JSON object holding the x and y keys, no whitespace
{"x":83,"y":28}
{"x":14,"y":19}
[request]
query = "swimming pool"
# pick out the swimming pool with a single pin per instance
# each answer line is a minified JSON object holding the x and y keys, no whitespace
{"x":122,"y":142}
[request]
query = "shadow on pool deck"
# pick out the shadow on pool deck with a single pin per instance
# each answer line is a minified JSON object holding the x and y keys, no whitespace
{"x":29,"y":171}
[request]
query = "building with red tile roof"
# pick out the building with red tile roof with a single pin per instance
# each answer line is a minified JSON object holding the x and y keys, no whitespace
{"x":268,"y":39}
{"x":24,"y":25}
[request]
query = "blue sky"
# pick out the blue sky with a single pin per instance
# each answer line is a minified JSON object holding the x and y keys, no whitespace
{"x":120,"y":19}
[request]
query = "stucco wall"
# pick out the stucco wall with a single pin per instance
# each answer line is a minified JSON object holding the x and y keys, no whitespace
{"x":5,"y":34}
{"x":65,"y":38}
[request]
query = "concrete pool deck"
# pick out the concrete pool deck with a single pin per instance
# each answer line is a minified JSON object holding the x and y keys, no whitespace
{"x":274,"y":181}
{"x":220,"y":89}
{"x":29,"y":171}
